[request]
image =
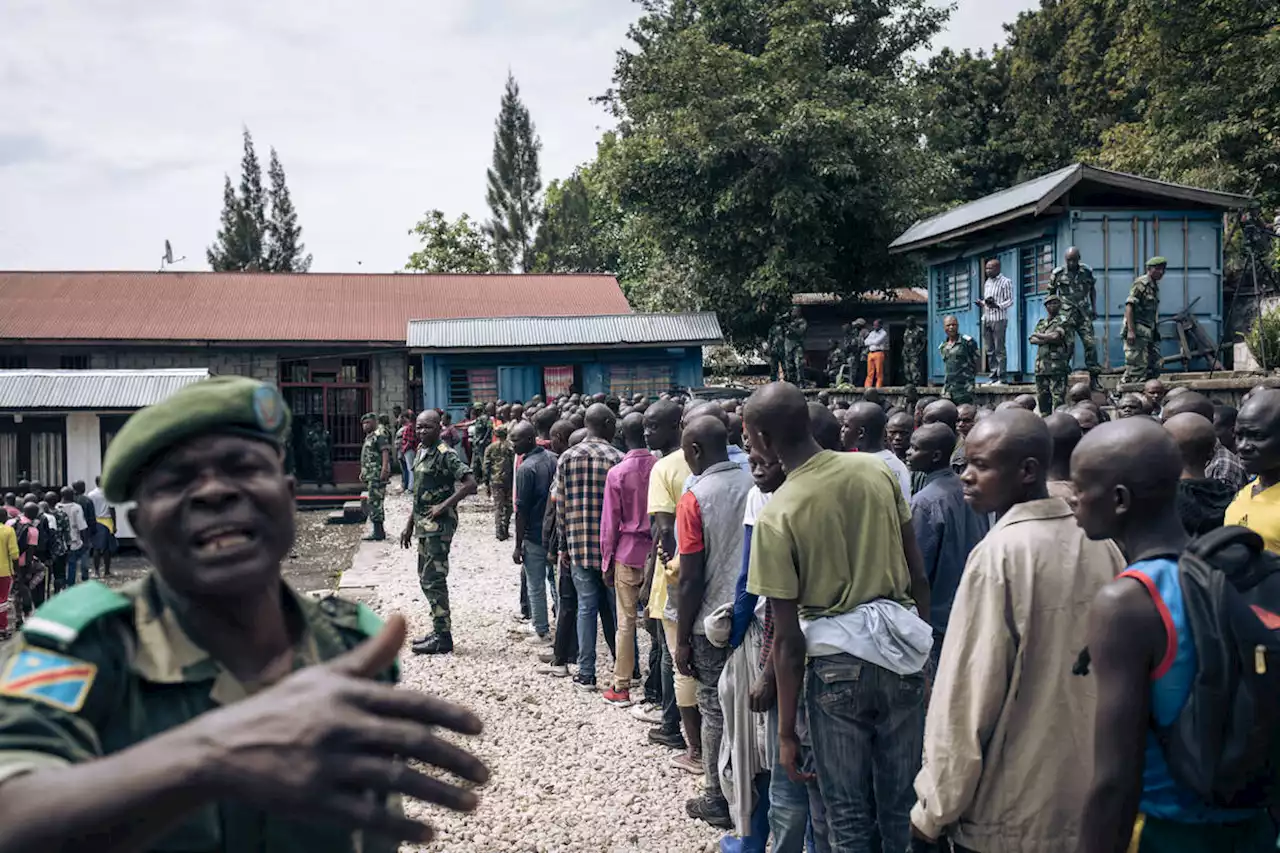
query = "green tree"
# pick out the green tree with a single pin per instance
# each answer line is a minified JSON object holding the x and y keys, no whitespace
{"x":283,"y":243}
{"x":583,"y":221}
{"x":253,"y":205}
{"x":514,"y":183}
{"x":450,"y":247}
{"x":230,"y":251}
{"x":770,"y":147}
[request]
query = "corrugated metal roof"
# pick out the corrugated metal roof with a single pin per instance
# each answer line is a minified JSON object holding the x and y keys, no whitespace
{"x":612,"y":330}
{"x":207,"y":306}
{"x":53,"y":390}
{"x":1032,"y":197}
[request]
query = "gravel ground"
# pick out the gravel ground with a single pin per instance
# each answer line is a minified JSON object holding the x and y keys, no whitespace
{"x":569,"y":773}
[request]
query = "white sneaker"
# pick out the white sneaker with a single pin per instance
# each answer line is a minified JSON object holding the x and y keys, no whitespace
{"x":554,"y":671}
{"x":545,"y":641}
{"x":647,"y":713}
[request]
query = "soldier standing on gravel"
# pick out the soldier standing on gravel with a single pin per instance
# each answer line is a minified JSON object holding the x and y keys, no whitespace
{"x":375,"y":471}
{"x":209,"y":706}
{"x":499,"y":464}
{"x":440,"y":482}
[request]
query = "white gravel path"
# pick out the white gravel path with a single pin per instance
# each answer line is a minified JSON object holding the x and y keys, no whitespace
{"x":569,"y":773}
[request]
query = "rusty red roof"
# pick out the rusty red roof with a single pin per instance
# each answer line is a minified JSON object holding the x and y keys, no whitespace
{"x":213,"y":306}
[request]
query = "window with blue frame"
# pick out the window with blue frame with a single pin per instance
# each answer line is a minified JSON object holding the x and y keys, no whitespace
{"x":954,"y":286}
{"x":1035,"y":267}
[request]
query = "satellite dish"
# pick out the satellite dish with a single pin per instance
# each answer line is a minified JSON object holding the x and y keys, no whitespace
{"x":168,"y":259}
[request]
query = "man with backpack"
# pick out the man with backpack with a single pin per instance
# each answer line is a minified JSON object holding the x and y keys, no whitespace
{"x":1148,"y":665}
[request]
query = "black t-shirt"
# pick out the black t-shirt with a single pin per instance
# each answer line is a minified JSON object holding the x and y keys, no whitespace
{"x":533,"y":484}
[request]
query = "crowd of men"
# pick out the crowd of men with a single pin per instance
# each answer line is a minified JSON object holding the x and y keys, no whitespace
{"x":51,"y":539}
{"x":863,"y":620}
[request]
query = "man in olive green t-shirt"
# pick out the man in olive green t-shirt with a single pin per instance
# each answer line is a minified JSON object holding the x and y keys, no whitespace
{"x":838,"y":535}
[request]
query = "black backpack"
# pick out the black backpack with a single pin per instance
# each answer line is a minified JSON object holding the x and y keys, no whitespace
{"x":1225,"y":743}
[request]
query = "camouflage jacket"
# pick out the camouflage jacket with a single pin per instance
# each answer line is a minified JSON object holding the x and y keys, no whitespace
{"x":436,"y":472}
{"x":499,"y":463}
{"x":796,"y":329}
{"x":1075,"y":289}
{"x":1144,"y":296}
{"x":913,"y":341}
{"x":959,"y":359}
{"x":1055,"y":358}
{"x":371,"y":456}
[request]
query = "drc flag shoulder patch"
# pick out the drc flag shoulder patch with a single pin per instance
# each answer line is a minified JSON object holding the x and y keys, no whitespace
{"x":44,"y":676}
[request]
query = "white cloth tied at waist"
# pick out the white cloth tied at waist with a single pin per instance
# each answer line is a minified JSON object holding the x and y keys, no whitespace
{"x":882,"y":632}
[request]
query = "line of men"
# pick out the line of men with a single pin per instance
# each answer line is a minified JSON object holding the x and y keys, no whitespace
{"x":1070,"y":308}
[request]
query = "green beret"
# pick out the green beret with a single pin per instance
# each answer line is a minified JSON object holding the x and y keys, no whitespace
{"x":501,"y":429}
{"x":235,"y":404}
{"x":369,"y":416}
{"x":1052,"y":297}
{"x":1157,"y":261}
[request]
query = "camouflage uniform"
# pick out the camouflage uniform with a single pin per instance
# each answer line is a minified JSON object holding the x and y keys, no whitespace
{"x":435,"y":473}
{"x":1053,"y":362}
{"x":1142,"y":359}
{"x":854,"y":353}
{"x":319,"y":456}
{"x":777,"y":347}
{"x":499,"y":465}
{"x":481,"y":436}
{"x":835,"y":361}
{"x":793,"y":365}
{"x":913,"y":347}
{"x":959,"y":367}
{"x":1076,"y":290}
{"x":371,"y":471}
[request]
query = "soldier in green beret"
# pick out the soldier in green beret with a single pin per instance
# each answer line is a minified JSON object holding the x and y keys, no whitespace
{"x":499,"y":465}
{"x":959,"y":362}
{"x":441,"y":480}
{"x":1075,"y":285}
{"x":375,"y":471}
{"x":1142,"y":326}
{"x":209,"y":706}
{"x":1052,"y":339}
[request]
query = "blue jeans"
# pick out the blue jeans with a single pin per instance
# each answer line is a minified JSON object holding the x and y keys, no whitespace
{"x":406,"y":470}
{"x":77,"y":558}
{"x":796,"y":817}
{"x":867,"y":725}
{"x":594,"y":599}
{"x":535,"y":573}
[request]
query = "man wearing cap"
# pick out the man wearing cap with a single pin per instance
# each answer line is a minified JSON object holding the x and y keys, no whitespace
{"x":499,"y":467}
{"x":1053,"y":358}
{"x":208,"y":706}
{"x":441,"y":480}
{"x":375,"y":471}
{"x":1141,"y":324}
{"x":1075,"y":285}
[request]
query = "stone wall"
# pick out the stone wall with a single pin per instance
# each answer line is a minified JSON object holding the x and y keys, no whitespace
{"x":260,"y":364}
{"x":390,"y":381}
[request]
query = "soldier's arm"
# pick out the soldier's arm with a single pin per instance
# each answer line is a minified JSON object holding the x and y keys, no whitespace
{"x":464,"y":483}
{"x":1093,"y":294}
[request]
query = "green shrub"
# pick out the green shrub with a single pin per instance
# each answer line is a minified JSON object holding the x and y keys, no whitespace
{"x":1263,"y":338}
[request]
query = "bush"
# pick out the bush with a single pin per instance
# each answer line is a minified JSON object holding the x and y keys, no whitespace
{"x":1263,"y":338}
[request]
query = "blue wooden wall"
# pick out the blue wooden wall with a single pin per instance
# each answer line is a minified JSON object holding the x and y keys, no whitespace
{"x":1116,"y":244}
{"x":520,"y":371}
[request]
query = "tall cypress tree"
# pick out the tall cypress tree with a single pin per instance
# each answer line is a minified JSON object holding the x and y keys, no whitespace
{"x":514,"y":184}
{"x":230,"y":251}
{"x":283,"y":243}
{"x":253,"y":204}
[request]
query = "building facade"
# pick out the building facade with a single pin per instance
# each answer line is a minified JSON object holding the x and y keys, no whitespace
{"x":1117,"y":221}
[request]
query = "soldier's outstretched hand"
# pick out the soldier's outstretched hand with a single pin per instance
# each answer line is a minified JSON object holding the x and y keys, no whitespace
{"x":328,"y":744}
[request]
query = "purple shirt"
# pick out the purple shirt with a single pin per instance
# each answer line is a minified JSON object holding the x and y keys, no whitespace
{"x":624,"y":523}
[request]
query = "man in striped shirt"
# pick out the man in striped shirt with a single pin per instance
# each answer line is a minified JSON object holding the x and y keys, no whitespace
{"x":997,"y":297}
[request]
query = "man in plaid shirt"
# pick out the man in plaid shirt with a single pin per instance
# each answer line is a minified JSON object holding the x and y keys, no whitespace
{"x":579,"y":500}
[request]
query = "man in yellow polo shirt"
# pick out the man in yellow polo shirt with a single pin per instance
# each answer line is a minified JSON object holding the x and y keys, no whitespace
{"x":1257,"y":505}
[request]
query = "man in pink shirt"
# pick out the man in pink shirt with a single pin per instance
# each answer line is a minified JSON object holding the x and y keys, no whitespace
{"x":624,"y":546}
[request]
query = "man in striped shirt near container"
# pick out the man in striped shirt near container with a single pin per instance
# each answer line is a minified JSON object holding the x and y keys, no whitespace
{"x":997,"y":297}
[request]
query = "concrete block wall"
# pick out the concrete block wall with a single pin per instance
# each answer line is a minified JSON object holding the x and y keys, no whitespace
{"x":390,"y":381}
{"x":260,"y":364}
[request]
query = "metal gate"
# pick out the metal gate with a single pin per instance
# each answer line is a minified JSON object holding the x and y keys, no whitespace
{"x":337,"y":409}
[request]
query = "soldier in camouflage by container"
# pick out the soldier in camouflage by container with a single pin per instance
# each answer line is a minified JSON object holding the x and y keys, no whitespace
{"x":796,"y":330}
{"x":959,"y":363}
{"x":375,"y":471}
{"x":1053,"y":338}
{"x":499,"y":467}
{"x":441,"y":480}
{"x":318,"y":452}
{"x":776,"y":346}
{"x":854,"y":350}
{"x":1141,"y":324}
{"x":835,"y":361}
{"x":914,"y":344}
{"x":1074,"y":284}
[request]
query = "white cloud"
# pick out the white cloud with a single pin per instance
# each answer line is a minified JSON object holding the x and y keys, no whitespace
{"x":121,"y":116}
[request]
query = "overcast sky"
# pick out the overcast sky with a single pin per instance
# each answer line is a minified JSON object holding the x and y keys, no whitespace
{"x":121,"y":116}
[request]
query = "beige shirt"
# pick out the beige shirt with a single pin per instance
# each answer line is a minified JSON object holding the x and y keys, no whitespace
{"x":1008,"y":745}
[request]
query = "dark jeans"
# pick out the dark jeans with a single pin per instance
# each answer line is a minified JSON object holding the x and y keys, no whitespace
{"x":993,"y":334}
{"x":653,"y":675}
{"x":566,"y":647}
{"x":708,"y":663}
{"x":670,"y":713}
{"x":594,"y":598}
{"x":867,"y":726}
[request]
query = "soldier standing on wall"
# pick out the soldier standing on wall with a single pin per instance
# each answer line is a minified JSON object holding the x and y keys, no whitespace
{"x":835,"y":361}
{"x":959,"y":362}
{"x":913,"y":348}
{"x":1074,"y":284}
{"x":1053,"y":339}
{"x":796,"y":330}
{"x":853,"y":350}
{"x":375,"y":471}
{"x":1141,"y":324}
{"x":776,"y":347}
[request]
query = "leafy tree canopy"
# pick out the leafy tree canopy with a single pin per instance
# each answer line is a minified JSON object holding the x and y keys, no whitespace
{"x":450,"y":247}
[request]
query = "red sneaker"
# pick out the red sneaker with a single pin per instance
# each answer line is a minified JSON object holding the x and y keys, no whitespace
{"x":621,"y":698}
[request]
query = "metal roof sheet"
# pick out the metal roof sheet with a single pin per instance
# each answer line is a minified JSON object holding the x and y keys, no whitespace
{"x":545,"y":332}
{"x":209,"y":306}
{"x":1034,"y":196}
{"x":53,"y":390}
